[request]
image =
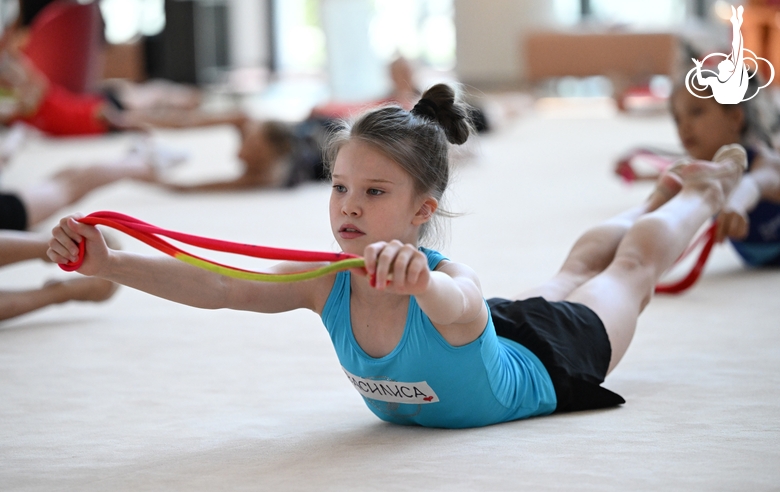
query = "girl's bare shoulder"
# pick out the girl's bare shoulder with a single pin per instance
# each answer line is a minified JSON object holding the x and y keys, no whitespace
{"x":457,"y":270}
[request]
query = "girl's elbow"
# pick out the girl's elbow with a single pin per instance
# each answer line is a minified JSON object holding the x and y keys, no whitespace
{"x":222,"y":294}
{"x":470,"y":308}
{"x":475,"y":310}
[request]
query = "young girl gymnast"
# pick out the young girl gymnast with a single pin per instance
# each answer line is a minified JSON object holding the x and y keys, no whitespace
{"x":412,"y":330}
{"x":27,"y":96}
{"x":273,"y":154}
{"x":751,"y":217}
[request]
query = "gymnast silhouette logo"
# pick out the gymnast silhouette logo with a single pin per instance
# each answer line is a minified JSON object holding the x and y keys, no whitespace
{"x":729,"y":85}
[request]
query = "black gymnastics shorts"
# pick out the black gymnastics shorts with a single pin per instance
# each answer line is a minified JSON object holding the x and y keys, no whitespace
{"x":569,"y":339}
{"x":12,"y":213}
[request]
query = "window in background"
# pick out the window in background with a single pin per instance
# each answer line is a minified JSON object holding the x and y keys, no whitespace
{"x":422,"y":30}
{"x":567,"y":12}
{"x":9,"y":11}
{"x":127,"y":19}
{"x":639,"y":13}
{"x":633,"y":13}
{"x":300,"y":41}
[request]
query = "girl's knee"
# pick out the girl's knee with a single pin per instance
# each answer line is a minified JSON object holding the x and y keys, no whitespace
{"x":638,"y":273}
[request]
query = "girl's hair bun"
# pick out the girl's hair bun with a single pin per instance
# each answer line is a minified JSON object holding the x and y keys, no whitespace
{"x":439,"y":104}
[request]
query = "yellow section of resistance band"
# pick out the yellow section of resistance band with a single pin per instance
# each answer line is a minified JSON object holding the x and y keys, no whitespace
{"x":272,"y":277}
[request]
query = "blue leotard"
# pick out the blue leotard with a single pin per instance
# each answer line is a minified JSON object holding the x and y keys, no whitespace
{"x":426,"y":381}
{"x":761,"y":247}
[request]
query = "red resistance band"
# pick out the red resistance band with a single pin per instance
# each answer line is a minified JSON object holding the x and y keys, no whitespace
{"x":686,"y":282}
{"x":148,"y":233}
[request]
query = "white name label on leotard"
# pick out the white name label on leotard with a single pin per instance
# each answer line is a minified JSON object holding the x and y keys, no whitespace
{"x":393,"y":391}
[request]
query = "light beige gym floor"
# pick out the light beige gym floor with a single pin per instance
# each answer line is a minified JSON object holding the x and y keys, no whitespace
{"x":141,"y":394}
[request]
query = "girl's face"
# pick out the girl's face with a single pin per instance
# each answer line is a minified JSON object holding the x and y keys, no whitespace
{"x":704,"y":126}
{"x":374,"y":199}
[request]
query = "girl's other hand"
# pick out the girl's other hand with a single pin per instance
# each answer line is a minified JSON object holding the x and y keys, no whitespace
{"x":731,"y":224}
{"x":64,"y":245}
{"x":397,"y":267}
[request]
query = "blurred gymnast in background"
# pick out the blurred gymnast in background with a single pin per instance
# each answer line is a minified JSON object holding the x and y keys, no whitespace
{"x":750,"y":220}
{"x":28,"y":94}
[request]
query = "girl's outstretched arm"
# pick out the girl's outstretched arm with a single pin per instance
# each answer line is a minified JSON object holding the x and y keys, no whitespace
{"x":243,"y":182}
{"x":451,"y":296}
{"x":174,"y":280}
